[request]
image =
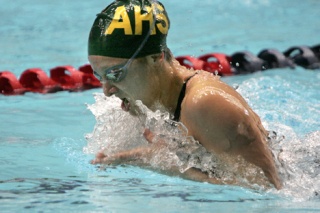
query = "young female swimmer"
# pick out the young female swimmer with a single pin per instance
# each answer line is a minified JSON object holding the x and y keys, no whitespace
{"x":128,"y":53}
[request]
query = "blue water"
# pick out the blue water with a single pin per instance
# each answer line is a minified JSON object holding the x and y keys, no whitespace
{"x":43,"y":167}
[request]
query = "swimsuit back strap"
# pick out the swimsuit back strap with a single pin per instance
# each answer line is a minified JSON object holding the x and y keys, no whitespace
{"x":178,"y":108}
{"x":180,"y":99}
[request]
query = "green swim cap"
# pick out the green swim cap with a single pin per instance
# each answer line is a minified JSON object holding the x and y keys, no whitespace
{"x":121,"y":28}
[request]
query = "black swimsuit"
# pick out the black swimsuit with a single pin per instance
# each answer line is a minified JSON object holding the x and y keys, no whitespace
{"x":181,"y":96}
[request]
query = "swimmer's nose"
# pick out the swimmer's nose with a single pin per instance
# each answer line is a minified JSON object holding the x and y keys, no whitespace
{"x":109,"y":89}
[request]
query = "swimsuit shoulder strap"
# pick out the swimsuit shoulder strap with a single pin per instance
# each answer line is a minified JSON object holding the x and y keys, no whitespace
{"x":180,"y":99}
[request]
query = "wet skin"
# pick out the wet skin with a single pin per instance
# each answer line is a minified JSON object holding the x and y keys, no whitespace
{"x":213,"y":112}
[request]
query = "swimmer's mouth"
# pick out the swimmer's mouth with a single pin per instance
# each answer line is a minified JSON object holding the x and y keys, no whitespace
{"x":125,"y":105}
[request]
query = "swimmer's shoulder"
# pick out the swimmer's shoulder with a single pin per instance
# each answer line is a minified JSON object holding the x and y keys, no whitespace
{"x":207,"y":95}
{"x":204,"y":82}
{"x":204,"y":94}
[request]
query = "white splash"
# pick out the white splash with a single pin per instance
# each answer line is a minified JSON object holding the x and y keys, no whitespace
{"x":299,"y":164}
{"x":116,"y":130}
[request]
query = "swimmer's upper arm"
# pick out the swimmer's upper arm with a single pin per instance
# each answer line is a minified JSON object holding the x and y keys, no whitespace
{"x":216,"y":119}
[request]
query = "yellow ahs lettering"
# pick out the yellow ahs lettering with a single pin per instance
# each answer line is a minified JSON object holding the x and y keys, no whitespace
{"x":148,"y":16}
{"x":116,"y":23}
{"x":121,"y":20}
{"x":160,"y":16}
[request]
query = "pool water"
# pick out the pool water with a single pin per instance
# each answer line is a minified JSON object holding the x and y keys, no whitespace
{"x":45,"y":149}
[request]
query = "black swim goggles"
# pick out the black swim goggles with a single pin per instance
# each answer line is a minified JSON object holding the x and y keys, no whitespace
{"x":118,"y":72}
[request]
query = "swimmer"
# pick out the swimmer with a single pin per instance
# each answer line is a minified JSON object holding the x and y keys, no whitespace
{"x":128,"y":53}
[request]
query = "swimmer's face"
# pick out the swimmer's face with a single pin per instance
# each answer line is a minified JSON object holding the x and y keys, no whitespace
{"x":123,"y":78}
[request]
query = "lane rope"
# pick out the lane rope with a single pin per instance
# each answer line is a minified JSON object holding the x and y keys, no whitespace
{"x":68,"y":78}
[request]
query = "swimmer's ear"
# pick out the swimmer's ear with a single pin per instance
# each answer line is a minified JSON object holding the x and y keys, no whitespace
{"x":157,"y":57}
{"x":162,"y":56}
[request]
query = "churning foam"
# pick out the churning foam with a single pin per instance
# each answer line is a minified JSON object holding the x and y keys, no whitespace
{"x":116,"y":130}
